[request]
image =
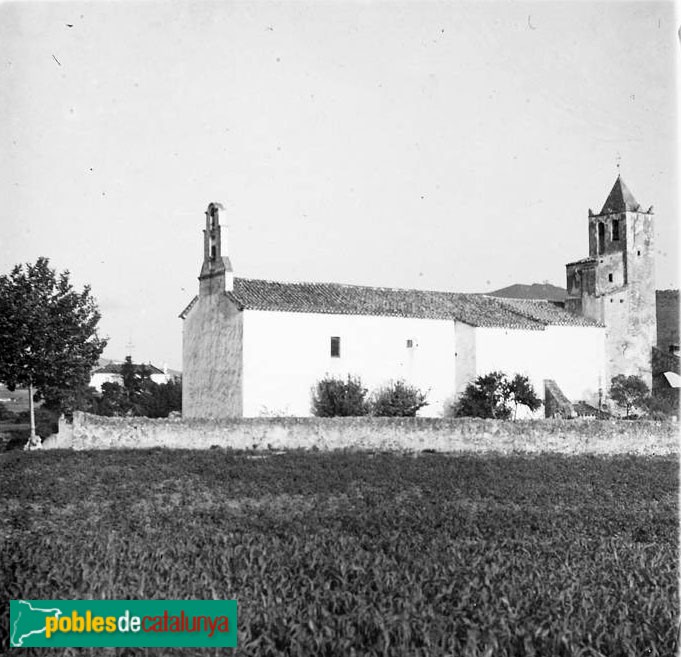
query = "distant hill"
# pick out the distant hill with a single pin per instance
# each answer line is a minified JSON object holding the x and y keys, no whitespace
{"x":534,"y":291}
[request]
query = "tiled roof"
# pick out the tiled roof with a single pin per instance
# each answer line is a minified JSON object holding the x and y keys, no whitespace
{"x":547,"y":312}
{"x":334,"y":298}
{"x":338,"y":299}
{"x":116,"y":368}
{"x":620,"y":199}
{"x":583,"y":261}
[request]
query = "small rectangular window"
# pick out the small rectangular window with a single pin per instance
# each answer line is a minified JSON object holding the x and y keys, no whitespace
{"x":615,"y":230}
{"x":410,"y":344}
{"x":610,"y":277}
{"x":638,"y":252}
{"x":335,"y":347}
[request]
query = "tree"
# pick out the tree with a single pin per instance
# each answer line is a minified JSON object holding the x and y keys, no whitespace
{"x":486,"y":397}
{"x":333,"y":397}
{"x":629,"y":392}
{"x":158,"y":399}
{"x":66,"y":401}
{"x":48,"y":332}
{"x":114,"y":400}
{"x":397,"y":399}
{"x":138,"y":394}
{"x":169,"y":397}
{"x":135,"y":377}
{"x":491,"y":396}
{"x":522,"y":394}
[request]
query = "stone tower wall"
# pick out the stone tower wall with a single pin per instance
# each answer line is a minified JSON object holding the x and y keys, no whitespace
{"x":212,"y":359}
{"x":616,"y":286}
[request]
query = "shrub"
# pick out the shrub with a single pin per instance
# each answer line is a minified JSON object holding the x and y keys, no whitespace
{"x":13,"y":439}
{"x":46,"y":421}
{"x":333,"y":397}
{"x":6,"y":415}
{"x":491,"y":396}
{"x":486,"y":397}
{"x":397,"y":399}
{"x":138,"y":396}
{"x":664,"y":405}
{"x":66,"y":401}
{"x":522,"y":393}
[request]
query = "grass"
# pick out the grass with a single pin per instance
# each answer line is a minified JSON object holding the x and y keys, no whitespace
{"x":342,"y":553}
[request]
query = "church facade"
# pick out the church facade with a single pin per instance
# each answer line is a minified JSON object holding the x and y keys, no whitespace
{"x":257,"y":347}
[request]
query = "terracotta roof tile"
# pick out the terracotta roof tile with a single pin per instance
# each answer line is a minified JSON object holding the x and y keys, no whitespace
{"x":338,"y":299}
{"x":115,"y":368}
{"x":584,"y":261}
{"x":335,"y":298}
{"x":547,"y":312}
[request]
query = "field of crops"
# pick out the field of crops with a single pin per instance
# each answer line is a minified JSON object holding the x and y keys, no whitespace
{"x":359,"y":554}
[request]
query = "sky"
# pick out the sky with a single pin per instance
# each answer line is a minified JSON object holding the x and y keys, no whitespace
{"x":432,"y":145}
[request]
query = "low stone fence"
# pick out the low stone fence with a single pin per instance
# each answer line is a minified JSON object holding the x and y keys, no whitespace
{"x":369,"y":433}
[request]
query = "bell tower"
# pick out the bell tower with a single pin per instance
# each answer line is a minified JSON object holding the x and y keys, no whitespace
{"x":212,"y":335}
{"x":216,"y":272}
{"x":615,"y":285}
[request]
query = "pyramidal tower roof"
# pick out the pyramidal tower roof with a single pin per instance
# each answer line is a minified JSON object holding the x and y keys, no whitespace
{"x":620,"y":199}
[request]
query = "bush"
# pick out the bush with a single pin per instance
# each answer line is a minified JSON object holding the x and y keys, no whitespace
{"x":495,"y":396}
{"x":664,"y":405}
{"x":486,"y":397}
{"x":6,"y":415}
{"x":46,"y":421}
{"x":14,"y":439}
{"x":397,"y":399}
{"x":333,"y":397}
{"x":139,"y":396}
{"x":521,"y":393}
{"x":66,"y":401}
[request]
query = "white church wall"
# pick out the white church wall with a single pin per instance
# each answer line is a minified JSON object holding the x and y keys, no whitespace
{"x":511,"y":351}
{"x":573,"y":356}
{"x":577,"y":360}
{"x":285,"y":354}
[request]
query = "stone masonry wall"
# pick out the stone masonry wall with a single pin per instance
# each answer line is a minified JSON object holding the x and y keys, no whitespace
{"x":212,"y":367}
{"x":394,"y":434}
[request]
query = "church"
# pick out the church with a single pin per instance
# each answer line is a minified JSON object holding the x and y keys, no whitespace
{"x":257,"y":347}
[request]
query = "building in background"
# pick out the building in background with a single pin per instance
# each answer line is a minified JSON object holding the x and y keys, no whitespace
{"x":111,"y":373}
